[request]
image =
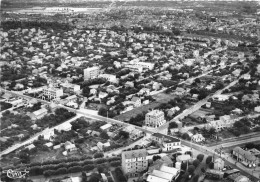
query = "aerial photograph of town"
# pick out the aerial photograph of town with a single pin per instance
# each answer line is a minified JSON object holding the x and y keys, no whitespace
{"x":129,"y":91}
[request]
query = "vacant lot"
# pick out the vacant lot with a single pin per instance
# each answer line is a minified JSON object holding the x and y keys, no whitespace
{"x":160,"y":98}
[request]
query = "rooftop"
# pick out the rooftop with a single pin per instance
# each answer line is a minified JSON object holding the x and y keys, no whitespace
{"x":167,"y":139}
{"x":134,"y":153}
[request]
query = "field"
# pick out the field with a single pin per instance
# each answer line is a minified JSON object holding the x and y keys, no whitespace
{"x":160,"y":98}
{"x":200,"y":5}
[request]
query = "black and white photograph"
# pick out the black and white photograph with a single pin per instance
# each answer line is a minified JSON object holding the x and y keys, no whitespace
{"x":129,"y":91}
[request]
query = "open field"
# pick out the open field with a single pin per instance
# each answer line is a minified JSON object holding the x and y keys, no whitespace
{"x":160,"y":98}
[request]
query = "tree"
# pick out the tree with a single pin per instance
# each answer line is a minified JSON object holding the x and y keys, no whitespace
{"x":191,"y":169}
{"x":200,"y":157}
{"x":86,"y":91}
{"x":209,"y":159}
{"x":125,"y":134}
{"x":211,"y":165}
{"x":196,"y":163}
{"x":104,"y":135}
{"x":212,"y":131}
{"x":155,"y":157}
{"x":173,"y":125}
{"x":203,"y":170}
{"x":115,"y":163}
{"x":98,"y":155}
{"x":197,"y":80}
{"x":186,"y":136}
{"x":196,"y":178}
{"x":102,"y":111}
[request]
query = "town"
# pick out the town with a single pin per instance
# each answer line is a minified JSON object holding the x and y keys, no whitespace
{"x":130,"y":91}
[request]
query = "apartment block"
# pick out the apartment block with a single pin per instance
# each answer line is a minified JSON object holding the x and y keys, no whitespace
{"x":155,"y":119}
{"x":134,"y":162}
{"x":90,"y":73}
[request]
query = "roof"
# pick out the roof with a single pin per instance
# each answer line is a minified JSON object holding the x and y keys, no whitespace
{"x":162,"y":174}
{"x":155,"y":113}
{"x":248,"y":155}
{"x":71,"y":97}
{"x":134,"y":99}
{"x":134,"y":153}
{"x":152,"y":178}
{"x":170,"y":170}
{"x":40,"y":111}
{"x":106,"y":126}
{"x":167,"y":139}
{"x":183,"y":157}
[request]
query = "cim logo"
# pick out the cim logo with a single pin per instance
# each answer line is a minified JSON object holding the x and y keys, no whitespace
{"x":15,"y":174}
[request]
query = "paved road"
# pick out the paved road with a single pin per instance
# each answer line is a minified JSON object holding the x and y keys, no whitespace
{"x":35,"y":137}
{"x":196,"y":106}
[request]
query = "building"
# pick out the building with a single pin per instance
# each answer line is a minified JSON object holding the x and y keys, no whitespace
{"x":197,"y":138}
{"x":155,"y":119}
{"x":136,"y":101}
{"x":168,"y":143}
{"x":90,"y":73}
{"x":70,"y":87}
{"x":134,"y":161}
{"x":69,"y":146}
{"x":38,"y":114}
{"x":173,"y":110}
{"x":109,"y":77}
{"x":145,"y":65}
{"x":106,"y":127}
{"x":244,"y":156}
{"x":163,"y":174}
{"x":219,"y":164}
{"x":52,"y":92}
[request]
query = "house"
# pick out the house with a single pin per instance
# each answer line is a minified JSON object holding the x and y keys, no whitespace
{"x":57,"y":147}
{"x":163,"y":174}
{"x":136,"y":101}
{"x":101,"y":145}
{"x":72,"y":98}
{"x":104,"y":177}
{"x":49,"y":144}
{"x":30,"y":147}
{"x":156,"y":85}
{"x":257,"y":109}
{"x":69,"y":147}
{"x":133,"y":132}
{"x":70,"y":87}
{"x":172,"y":111}
{"x":93,"y":91}
{"x":219,"y":164}
{"x":155,"y":119}
{"x":52,"y":92}
{"x":109,"y":77}
{"x":167,"y":143}
{"x":237,"y":111}
{"x":106,"y":127}
{"x":208,"y":104}
{"x":183,"y":158}
{"x":221,"y":97}
{"x":245,"y":157}
{"x":63,"y":127}
{"x":197,"y":138}
{"x":102,"y":95}
{"x":238,"y":178}
{"x":129,"y":84}
{"x":134,"y":162}
{"x":145,"y":102}
{"x":38,"y":114}
{"x":90,"y":73}
{"x":179,"y":91}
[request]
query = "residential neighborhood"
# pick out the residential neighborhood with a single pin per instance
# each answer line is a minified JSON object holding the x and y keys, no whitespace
{"x":130,"y":91}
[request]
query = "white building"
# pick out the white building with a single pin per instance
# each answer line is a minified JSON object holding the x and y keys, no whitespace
{"x":108,"y":77}
{"x":52,"y":93}
{"x":155,"y":119}
{"x":145,"y":65}
{"x":167,"y":143}
{"x":164,"y":174}
{"x":134,"y":162}
{"x":197,"y":138}
{"x":90,"y":73}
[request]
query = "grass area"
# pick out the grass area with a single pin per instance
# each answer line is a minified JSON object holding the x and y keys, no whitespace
{"x":160,"y":98}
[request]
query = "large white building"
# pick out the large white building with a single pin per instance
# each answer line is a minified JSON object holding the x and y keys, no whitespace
{"x":52,"y":92}
{"x":154,"y":119}
{"x":134,"y":162}
{"x":90,"y":73}
{"x":163,"y":174}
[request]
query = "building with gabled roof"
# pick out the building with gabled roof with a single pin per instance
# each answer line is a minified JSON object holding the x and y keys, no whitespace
{"x":167,"y":142}
{"x":244,"y":156}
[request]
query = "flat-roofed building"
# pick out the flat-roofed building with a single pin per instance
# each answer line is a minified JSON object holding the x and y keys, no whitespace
{"x":134,"y":162}
{"x":90,"y":73}
{"x":155,"y":119}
